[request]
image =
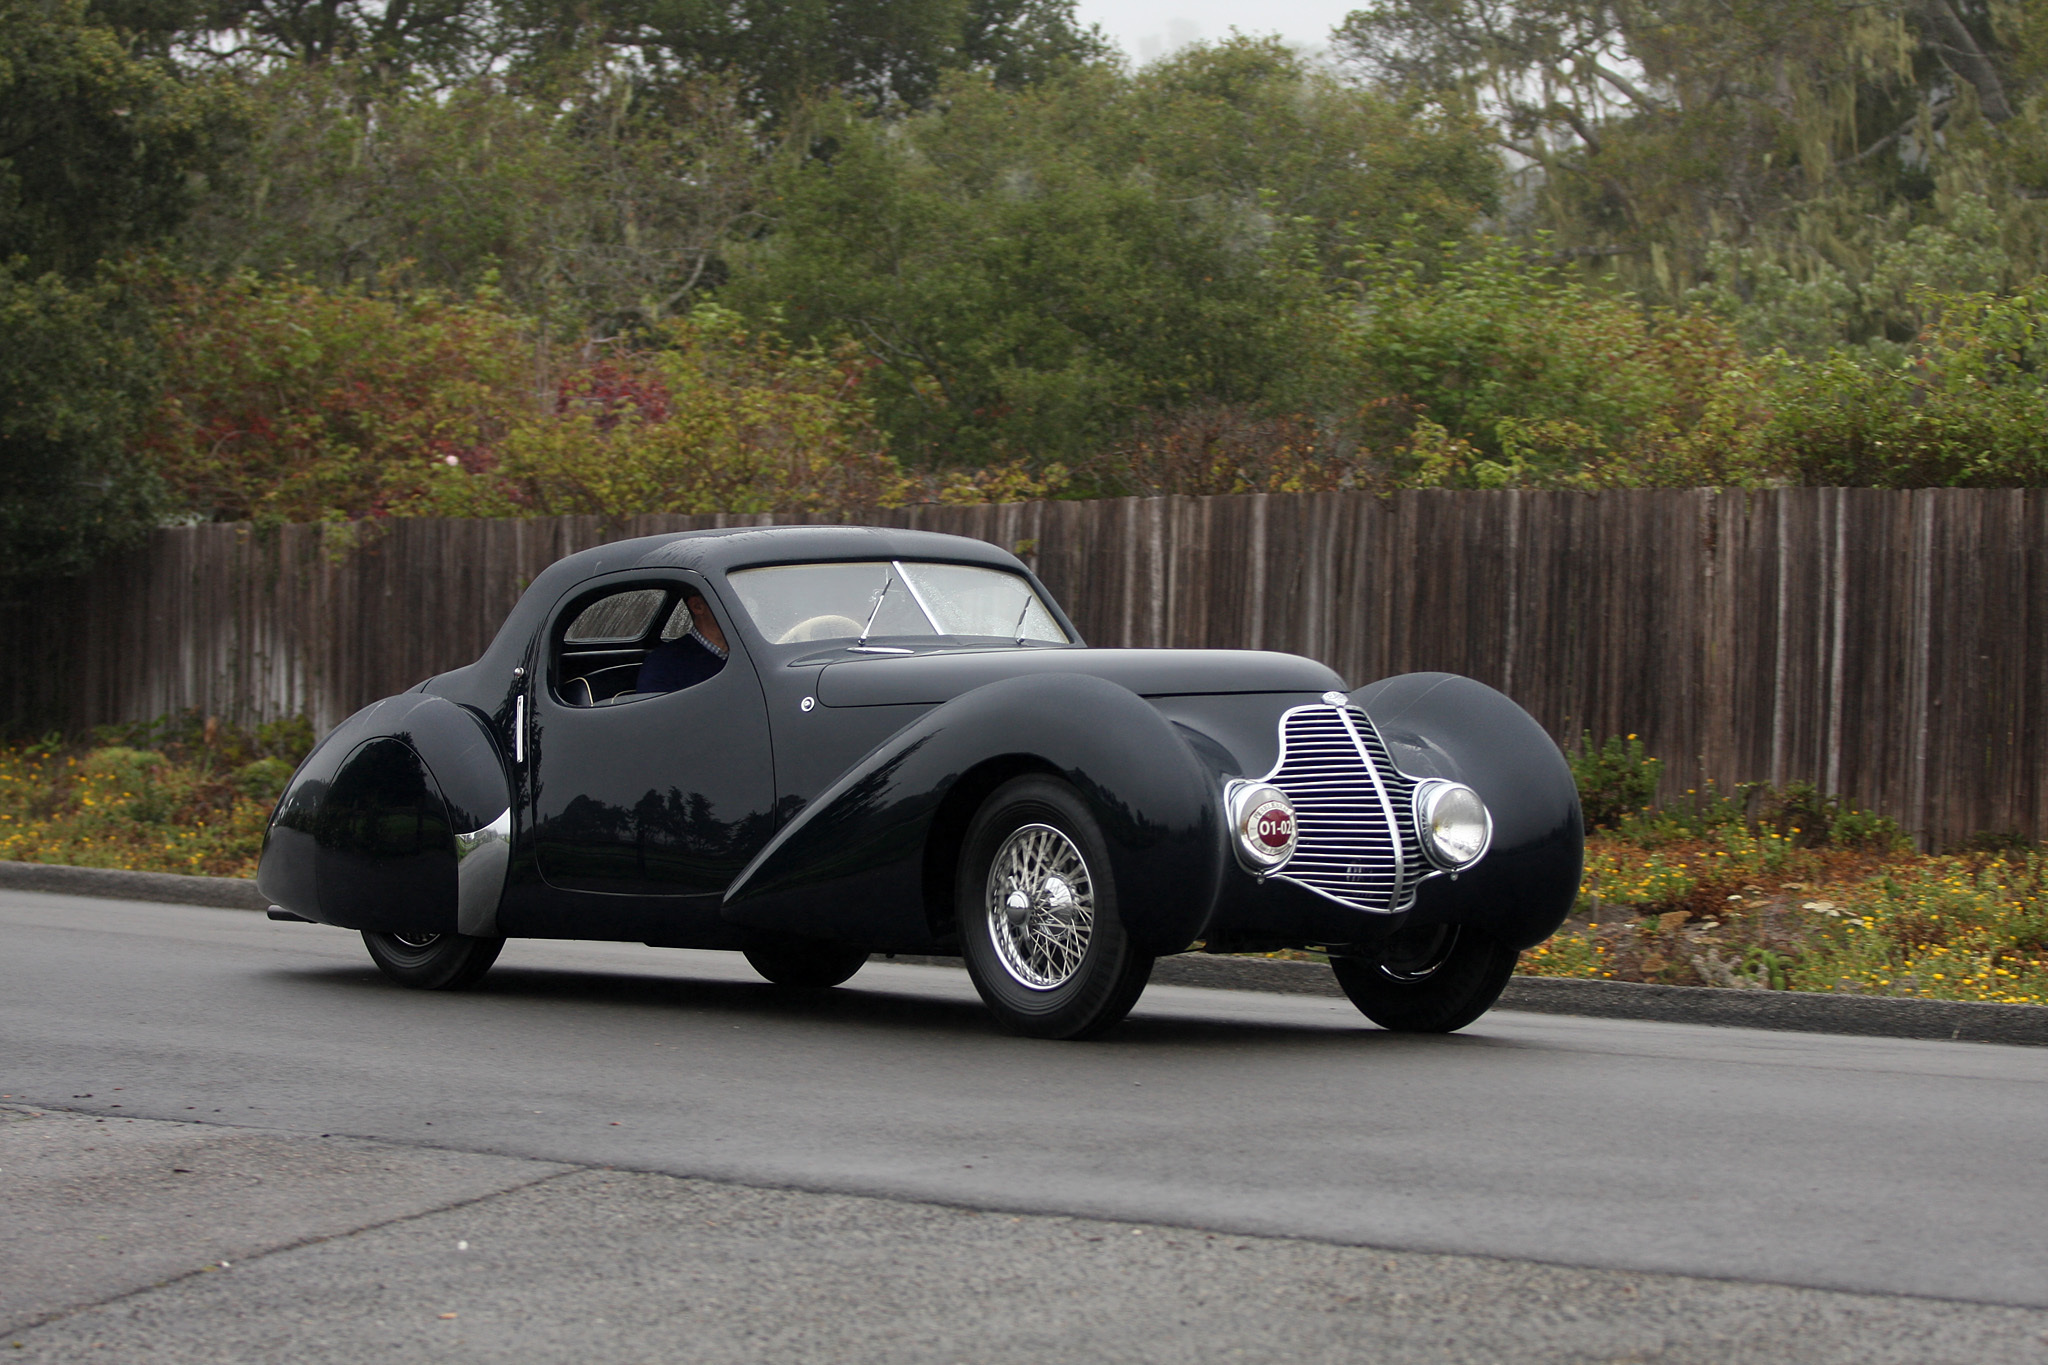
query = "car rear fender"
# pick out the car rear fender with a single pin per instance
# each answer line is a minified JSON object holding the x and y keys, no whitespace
{"x":1442,"y":725}
{"x":400,"y":821}
{"x":853,"y":866}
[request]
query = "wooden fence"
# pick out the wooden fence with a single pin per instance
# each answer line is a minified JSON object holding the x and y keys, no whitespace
{"x":1891,"y":647}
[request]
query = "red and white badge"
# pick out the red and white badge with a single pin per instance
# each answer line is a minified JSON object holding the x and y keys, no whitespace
{"x":1272,"y":824}
{"x":1266,"y":826}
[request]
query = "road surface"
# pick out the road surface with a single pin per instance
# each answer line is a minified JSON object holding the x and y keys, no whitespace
{"x":643,"y":1147}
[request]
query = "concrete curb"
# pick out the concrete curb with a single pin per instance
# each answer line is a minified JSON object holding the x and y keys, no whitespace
{"x":224,"y":893}
{"x":1785,"y":1011}
{"x":1872,"y":1016}
{"x":1876,"y":1016}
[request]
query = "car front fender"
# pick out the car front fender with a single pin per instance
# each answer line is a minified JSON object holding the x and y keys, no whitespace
{"x":400,"y":821}
{"x":1443,"y":725}
{"x":853,"y":865}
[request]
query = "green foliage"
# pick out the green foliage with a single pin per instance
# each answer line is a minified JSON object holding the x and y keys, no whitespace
{"x":1765,"y":821}
{"x":97,"y":149}
{"x":774,"y":53}
{"x":1745,"y":246}
{"x":1032,"y":270}
{"x":594,"y":200}
{"x":1813,"y":819}
{"x":75,"y":369}
{"x":1615,"y":780}
{"x":1967,"y":409}
{"x":718,"y":418}
{"x":1799,"y":161}
{"x":1791,"y":889}
{"x":182,"y":793}
{"x":879,"y":53}
{"x":285,"y":402}
{"x":1819,"y":311}
{"x":1494,"y":368}
{"x":185,"y":734}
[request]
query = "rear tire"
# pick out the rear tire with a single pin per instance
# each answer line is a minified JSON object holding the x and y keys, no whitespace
{"x":1038,"y":918}
{"x":1429,"y":979}
{"x":433,"y":962}
{"x":811,"y":966}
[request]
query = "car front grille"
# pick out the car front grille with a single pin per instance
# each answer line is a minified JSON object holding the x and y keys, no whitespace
{"x":1354,"y":817}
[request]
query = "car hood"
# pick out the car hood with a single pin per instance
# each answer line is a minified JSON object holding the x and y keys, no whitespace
{"x":933,"y":678}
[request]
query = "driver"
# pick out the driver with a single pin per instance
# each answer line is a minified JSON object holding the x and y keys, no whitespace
{"x":688,"y":659}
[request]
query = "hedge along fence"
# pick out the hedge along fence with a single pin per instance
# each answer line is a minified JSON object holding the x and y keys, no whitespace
{"x":1890,"y":647}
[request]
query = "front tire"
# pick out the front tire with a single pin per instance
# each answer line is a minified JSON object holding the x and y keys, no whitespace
{"x":1428,"y":979}
{"x":1038,"y":915}
{"x":811,"y":966}
{"x":433,"y":962}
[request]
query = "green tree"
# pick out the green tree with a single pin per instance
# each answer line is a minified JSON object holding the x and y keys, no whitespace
{"x":1780,"y":146}
{"x":1497,"y":368}
{"x":774,"y":53}
{"x":597,"y":201}
{"x":882,"y":54}
{"x":1033,"y":269}
{"x":97,"y":148}
{"x":75,"y":371}
{"x":1967,"y":409}
{"x":97,"y":153}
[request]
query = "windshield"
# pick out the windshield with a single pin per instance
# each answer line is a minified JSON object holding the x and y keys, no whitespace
{"x":792,"y":603}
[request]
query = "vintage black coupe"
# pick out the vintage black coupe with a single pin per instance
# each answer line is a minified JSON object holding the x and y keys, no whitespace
{"x":809,"y":744}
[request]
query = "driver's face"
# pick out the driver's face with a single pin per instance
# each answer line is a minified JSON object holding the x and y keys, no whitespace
{"x":707,"y":624}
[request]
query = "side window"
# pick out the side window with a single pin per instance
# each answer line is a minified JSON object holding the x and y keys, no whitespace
{"x":622,"y":617}
{"x":598,"y":659}
{"x":678,"y":621}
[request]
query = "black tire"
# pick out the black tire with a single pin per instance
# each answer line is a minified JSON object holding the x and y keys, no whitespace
{"x":1067,"y":936}
{"x":813,"y":966}
{"x":1429,"y":979}
{"x":433,"y":962}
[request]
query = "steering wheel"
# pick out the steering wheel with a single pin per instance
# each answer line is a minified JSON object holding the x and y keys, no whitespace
{"x":829,"y":627}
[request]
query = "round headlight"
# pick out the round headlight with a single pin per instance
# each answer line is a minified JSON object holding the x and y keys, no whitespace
{"x":1262,"y":820}
{"x":1453,"y":823}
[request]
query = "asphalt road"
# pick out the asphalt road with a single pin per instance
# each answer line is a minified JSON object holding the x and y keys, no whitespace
{"x":875,"y":1173}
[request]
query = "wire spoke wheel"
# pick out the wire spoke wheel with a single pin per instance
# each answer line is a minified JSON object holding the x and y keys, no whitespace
{"x":1041,"y":907}
{"x":1038,"y":914}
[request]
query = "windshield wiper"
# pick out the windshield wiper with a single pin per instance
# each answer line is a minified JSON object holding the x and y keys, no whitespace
{"x":876,"y":610}
{"x":1028,"y":600}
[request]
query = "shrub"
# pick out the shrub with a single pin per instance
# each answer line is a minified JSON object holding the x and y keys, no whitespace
{"x":288,"y":402}
{"x":1615,"y":780}
{"x":1499,"y":370}
{"x":177,"y":794}
{"x":716,"y":417}
{"x":1967,"y":409}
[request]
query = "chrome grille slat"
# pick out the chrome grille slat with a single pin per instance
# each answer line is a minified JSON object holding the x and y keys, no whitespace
{"x":1342,"y":789}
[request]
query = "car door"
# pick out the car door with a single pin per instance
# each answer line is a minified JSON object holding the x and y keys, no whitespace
{"x":666,"y":794}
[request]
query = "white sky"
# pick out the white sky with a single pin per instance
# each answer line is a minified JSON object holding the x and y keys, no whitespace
{"x":1149,"y":29}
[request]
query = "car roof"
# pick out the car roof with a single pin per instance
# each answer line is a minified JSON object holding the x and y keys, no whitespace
{"x":725,"y":548}
{"x":721,"y":550}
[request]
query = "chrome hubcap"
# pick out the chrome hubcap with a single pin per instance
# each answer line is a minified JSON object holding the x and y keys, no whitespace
{"x":1041,"y":907}
{"x":418,"y":940}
